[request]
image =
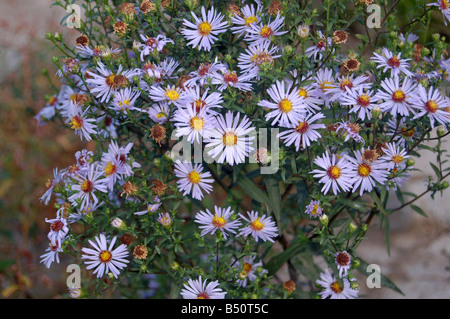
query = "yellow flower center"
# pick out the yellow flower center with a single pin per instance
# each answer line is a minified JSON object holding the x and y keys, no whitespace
{"x":364,"y":170}
{"x":334,"y":172}
{"x":266,"y":31}
{"x":444,"y":5}
{"x":285,"y":105}
{"x":105,"y":256}
{"x":398,"y":96}
{"x":110,"y":80}
{"x":73,"y":97}
{"x":326,"y":85}
{"x":173,"y":95}
{"x":314,"y":210}
{"x":203,"y":295}
{"x":110,"y":169}
{"x":124,"y":102}
{"x":256,"y":225}
{"x":431,"y":106}
{"x":196,"y":123}
{"x":346,"y":83}
{"x":303,"y":93}
{"x":194,"y":177}
{"x":364,"y":100}
{"x":229,"y":139}
{"x":250,"y":20}
{"x":336,"y":287}
{"x":87,"y":186}
{"x":161,"y":115}
{"x":397,"y":159}
{"x":77,"y":122}
{"x":204,"y":28}
{"x":247,"y":267}
{"x":219,"y":222}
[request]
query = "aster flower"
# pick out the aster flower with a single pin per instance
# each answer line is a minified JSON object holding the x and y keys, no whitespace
{"x":392,"y":62}
{"x":151,"y":208}
{"x":151,"y":44}
{"x":347,"y":82}
{"x":444,"y":6}
{"x":397,"y":97}
{"x":159,"y":112}
{"x":231,"y":139}
{"x":107,"y":82}
{"x":104,"y":258}
{"x":361,"y":101}
{"x":87,"y":183}
{"x":58,"y":230}
{"x":343,"y":261}
{"x":411,"y":37}
{"x":203,"y":101}
{"x":332,"y":288}
{"x":112,"y":168}
{"x":192,"y":179}
{"x":323,"y":84}
{"x":308,"y":92}
{"x":394,"y":155}
{"x":336,"y":173}
{"x":219,"y":221}
{"x":203,"y":32}
{"x":124,"y":100}
{"x":260,"y":33}
{"x":432,"y":104}
{"x":199,"y":289}
{"x":164,"y":219}
{"x":257,"y":54}
{"x":316,"y":51}
{"x":121,"y":153}
{"x":259,"y":227}
{"x":304,"y":132}
{"x":367,"y":170}
{"x":57,"y":177}
{"x":314,"y":209}
{"x":193,"y":124}
{"x":51,"y":255}
{"x":78,"y":120}
{"x":288,"y":107}
{"x":171,"y":94}
{"x":350,"y":130}
{"x":206,"y":72}
{"x":227,"y":78}
{"x":250,"y":16}
{"x":248,"y":268}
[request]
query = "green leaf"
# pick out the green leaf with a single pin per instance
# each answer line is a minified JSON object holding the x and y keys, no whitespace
{"x":252,"y":190}
{"x":436,"y":170}
{"x":419,"y":210}
{"x":279,"y":260}
{"x":273,"y":189}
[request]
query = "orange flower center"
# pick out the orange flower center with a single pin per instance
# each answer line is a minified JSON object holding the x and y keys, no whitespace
{"x":334,"y":172}
{"x":256,"y":225}
{"x":219,"y":222}
{"x":364,"y":170}
{"x":398,"y":96}
{"x":204,"y":28}
{"x":105,"y":256}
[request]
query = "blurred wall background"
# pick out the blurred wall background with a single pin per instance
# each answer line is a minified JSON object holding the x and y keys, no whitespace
{"x":420,"y":247}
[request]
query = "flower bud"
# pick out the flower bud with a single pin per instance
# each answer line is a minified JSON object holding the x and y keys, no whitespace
{"x":49,"y":36}
{"x":55,"y":60}
{"x":357,"y":263}
{"x":436,"y":37}
{"x":376,"y":111}
{"x":288,"y":49}
{"x":175,"y":266}
{"x":118,"y":223}
{"x":303,"y":31}
{"x":441,"y":130}
{"x":444,"y":185}
{"x":352,"y":227}
{"x":410,"y":162}
{"x":354,"y":285}
{"x":324,"y":219}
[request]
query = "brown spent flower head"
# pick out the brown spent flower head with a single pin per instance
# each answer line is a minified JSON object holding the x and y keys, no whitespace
{"x":81,"y":99}
{"x":129,"y":189}
{"x":120,"y":81}
{"x":352,"y":65}
{"x":82,"y":40}
{"x":417,"y":54}
{"x":166,"y":3}
{"x":126,"y":239}
{"x":66,"y":210}
{"x":234,"y":9}
{"x":183,"y":80}
{"x":120,"y":28}
{"x":147,"y":6}
{"x":275,"y":7}
{"x":366,"y":2}
{"x":289,"y":286}
{"x":140,"y":252}
{"x":158,"y":133}
{"x":340,"y":37}
{"x":332,"y":128}
{"x":159,"y":188}
{"x":369,"y":156}
{"x":127,"y":9}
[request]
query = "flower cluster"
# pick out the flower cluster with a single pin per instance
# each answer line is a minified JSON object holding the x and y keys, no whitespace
{"x":177,"y":101}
